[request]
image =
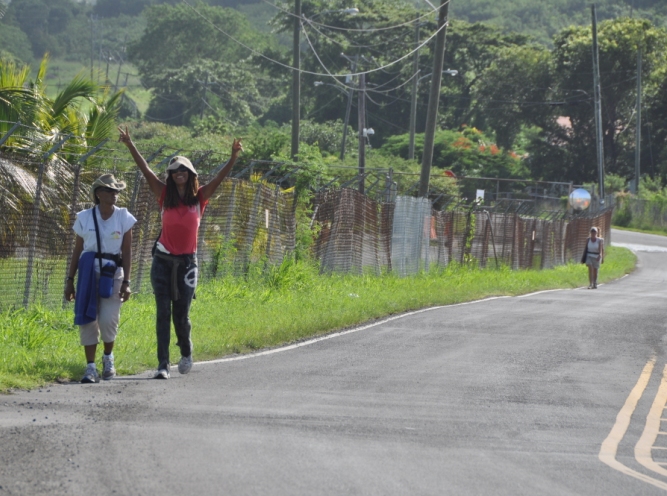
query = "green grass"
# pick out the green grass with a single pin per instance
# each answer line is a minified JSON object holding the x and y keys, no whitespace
{"x":659,"y":232}
{"x":267,"y":308}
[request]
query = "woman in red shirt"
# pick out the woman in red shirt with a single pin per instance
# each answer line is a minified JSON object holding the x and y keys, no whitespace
{"x":174,"y":270}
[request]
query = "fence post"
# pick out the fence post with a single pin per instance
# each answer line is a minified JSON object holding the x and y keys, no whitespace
{"x":34,"y":227}
{"x":35,"y":219}
{"x":493,"y":239}
{"x":70,"y":234}
{"x":9,"y":133}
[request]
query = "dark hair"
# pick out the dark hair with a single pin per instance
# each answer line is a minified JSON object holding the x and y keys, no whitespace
{"x":97,"y":200}
{"x":171,"y":198}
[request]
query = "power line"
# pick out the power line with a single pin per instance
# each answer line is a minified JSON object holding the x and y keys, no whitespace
{"x":285,"y":11}
{"x":351,"y":45}
{"x":291,"y":68}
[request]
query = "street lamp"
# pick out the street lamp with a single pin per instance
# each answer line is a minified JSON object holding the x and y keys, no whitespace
{"x":413,"y":109}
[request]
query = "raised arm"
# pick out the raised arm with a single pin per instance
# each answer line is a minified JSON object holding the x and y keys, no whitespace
{"x":153,"y":181}
{"x":208,"y":189}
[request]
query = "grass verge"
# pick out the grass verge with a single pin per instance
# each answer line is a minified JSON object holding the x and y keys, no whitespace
{"x":267,"y":308}
{"x":657,"y":232}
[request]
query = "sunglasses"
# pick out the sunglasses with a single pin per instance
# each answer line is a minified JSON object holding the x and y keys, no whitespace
{"x":182,"y":168}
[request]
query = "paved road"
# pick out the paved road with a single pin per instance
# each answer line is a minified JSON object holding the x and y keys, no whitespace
{"x":555,"y":393}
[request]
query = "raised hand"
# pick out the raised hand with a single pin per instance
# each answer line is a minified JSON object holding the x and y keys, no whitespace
{"x":124,"y":135}
{"x":237,"y":146}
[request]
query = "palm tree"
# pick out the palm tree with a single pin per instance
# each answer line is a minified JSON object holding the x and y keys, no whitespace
{"x":78,"y":118}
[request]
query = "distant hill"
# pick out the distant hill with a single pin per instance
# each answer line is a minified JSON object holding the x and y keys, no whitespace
{"x":543,"y":18}
{"x":539,"y":18}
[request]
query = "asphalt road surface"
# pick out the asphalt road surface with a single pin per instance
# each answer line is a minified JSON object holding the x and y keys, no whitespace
{"x":554,"y":393}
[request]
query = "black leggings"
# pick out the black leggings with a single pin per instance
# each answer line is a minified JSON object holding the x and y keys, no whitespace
{"x":168,"y":309}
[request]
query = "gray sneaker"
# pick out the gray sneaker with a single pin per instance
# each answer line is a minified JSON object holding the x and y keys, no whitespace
{"x":91,"y":376}
{"x":185,"y":364}
{"x":162,"y":374}
{"x":109,"y":370}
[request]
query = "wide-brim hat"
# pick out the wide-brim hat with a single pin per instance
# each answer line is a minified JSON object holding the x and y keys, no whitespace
{"x":177,"y":161}
{"x":106,"y":181}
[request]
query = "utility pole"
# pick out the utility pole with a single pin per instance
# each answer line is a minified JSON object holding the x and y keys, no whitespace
{"x":361,"y":120}
{"x":120,"y":66}
{"x":296,"y":79}
{"x":108,"y":57}
{"x":413,"y":99}
{"x":120,"y":63}
{"x":348,"y":109}
{"x":203,"y":103}
{"x":638,"y":135}
{"x":92,"y":44}
{"x":434,"y":98}
{"x":598,"y":105}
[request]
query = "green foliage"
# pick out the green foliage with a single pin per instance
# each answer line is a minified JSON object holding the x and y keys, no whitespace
{"x":471,"y":48}
{"x":177,"y":35}
{"x":267,"y":142}
{"x":622,"y":216}
{"x":44,"y":21}
{"x":225,"y":90}
{"x":614,"y":184}
{"x":543,"y":19}
{"x":468,"y":153}
{"x":519,"y":75}
{"x":327,"y":136}
{"x":15,"y":42}
{"x":150,"y":136}
{"x":115,"y":8}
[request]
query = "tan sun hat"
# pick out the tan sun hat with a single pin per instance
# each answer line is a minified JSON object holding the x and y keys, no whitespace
{"x":106,"y":181}
{"x":177,"y":161}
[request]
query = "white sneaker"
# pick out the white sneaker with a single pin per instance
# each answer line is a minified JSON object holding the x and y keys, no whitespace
{"x":162,"y":374}
{"x":90,"y":376}
{"x":185,"y":364}
{"x":109,"y":370}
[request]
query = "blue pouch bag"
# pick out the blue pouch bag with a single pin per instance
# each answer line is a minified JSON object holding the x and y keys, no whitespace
{"x":105,"y":286}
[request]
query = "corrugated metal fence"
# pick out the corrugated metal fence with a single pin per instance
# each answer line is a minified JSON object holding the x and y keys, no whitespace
{"x":353,"y":225}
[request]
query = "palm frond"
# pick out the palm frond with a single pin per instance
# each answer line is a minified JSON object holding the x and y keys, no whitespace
{"x":18,"y":183}
{"x":79,"y":88}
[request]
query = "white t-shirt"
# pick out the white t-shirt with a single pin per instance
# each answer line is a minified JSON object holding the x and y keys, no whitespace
{"x":112,"y":230}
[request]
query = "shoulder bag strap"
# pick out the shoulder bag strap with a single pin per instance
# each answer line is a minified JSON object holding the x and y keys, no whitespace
{"x":99,"y":245}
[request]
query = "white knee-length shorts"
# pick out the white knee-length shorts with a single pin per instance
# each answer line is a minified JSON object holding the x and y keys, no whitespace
{"x":108,"y":316}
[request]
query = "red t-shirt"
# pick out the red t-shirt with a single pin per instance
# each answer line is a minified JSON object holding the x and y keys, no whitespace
{"x":180,"y":225}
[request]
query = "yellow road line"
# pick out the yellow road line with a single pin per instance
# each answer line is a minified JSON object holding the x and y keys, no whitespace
{"x":609,"y":446}
{"x":652,"y":429}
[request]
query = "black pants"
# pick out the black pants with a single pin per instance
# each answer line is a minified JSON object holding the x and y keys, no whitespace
{"x":167,"y":308}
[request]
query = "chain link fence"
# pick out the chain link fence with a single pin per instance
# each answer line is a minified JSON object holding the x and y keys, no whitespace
{"x":252,"y":220}
{"x":245,"y":222}
{"x":641,"y":214}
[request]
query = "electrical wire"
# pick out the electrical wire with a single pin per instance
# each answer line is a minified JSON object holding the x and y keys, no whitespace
{"x":310,"y":21}
{"x":334,"y":76}
{"x":336,"y":42}
{"x":328,"y":73}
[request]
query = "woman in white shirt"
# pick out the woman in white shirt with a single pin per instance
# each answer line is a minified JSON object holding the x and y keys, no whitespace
{"x":115,"y":234}
{"x":594,"y":255}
